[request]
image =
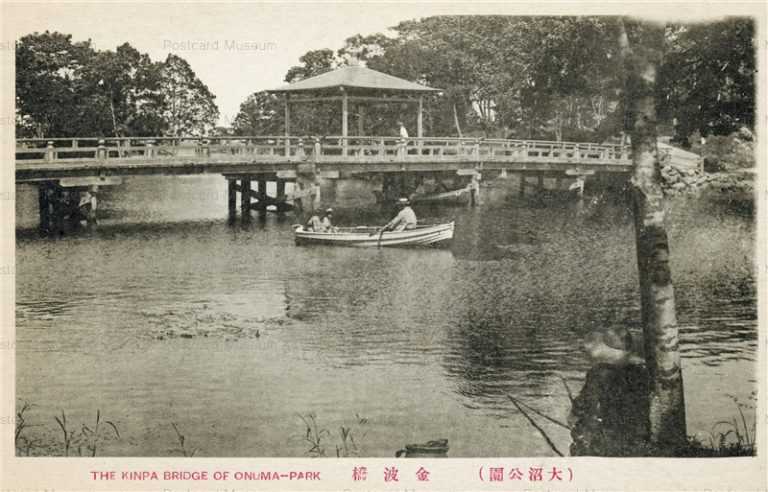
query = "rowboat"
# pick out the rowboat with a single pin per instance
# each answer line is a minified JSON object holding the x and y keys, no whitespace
{"x":367,"y":237}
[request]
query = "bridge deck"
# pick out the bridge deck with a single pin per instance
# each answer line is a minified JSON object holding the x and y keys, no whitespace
{"x":41,"y":159}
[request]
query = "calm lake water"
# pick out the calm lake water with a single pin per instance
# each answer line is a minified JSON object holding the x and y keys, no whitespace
{"x":167,"y":314}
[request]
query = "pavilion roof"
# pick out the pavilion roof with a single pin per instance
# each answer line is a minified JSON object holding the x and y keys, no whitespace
{"x":355,"y":77}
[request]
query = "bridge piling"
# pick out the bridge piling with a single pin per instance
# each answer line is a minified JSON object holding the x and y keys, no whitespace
{"x":474,"y":192}
{"x":43,"y":200}
{"x":231,"y":199}
{"x":280,"y":196}
{"x":245,"y":200}
{"x":57,"y":210}
{"x":262,"y":197}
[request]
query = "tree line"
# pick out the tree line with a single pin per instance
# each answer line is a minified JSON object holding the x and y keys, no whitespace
{"x":66,"y":88}
{"x":555,"y":78}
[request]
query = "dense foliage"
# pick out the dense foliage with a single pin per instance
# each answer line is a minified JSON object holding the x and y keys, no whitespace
{"x":535,"y":77}
{"x":526,"y":77}
{"x":70,"y":89}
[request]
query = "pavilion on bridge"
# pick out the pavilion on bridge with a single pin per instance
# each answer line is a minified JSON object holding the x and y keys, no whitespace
{"x":360,"y":86}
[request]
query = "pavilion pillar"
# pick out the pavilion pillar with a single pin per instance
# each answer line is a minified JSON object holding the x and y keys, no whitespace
{"x":360,"y":120}
{"x":420,"y":118}
{"x":287,"y":125}
{"x":344,"y":120}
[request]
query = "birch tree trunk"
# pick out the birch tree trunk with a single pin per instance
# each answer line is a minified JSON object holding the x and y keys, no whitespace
{"x":660,"y":333}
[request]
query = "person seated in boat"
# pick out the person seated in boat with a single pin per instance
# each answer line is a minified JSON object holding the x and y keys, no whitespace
{"x":324,"y":224}
{"x":405,"y":218}
{"x":326,"y":221}
{"x":314,"y":224}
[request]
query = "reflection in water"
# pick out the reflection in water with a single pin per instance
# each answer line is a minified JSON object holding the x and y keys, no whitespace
{"x":167,"y":314}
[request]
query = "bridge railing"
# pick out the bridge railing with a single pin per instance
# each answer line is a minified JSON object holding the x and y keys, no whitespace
{"x":137,"y":148}
{"x":319,"y":149}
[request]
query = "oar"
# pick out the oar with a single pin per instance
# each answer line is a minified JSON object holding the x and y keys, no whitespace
{"x":540,"y":414}
{"x":537,"y":427}
{"x":567,"y":389}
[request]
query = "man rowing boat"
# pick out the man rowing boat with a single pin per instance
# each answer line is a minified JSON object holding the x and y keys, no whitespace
{"x":405,"y":218}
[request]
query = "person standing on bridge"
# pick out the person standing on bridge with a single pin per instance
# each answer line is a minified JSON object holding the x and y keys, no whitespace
{"x":405,"y":218}
{"x":403,"y":139}
{"x":403,"y":130}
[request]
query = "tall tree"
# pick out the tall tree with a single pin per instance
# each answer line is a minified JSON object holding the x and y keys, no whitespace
{"x":190,"y":107}
{"x":260,"y":114}
{"x":314,"y":63}
{"x":707,"y":80}
{"x":68,"y":89}
{"x":641,"y":48}
{"x":126,"y":86}
{"x":47,"y":100}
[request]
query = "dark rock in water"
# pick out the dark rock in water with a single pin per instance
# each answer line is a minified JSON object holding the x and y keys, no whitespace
{"x":432,"y":449}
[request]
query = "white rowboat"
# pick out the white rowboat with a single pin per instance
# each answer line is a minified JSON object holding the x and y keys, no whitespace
{"x":371,"y":237}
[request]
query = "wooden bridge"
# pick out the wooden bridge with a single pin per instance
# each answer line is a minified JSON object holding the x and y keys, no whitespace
{"x":46,"y":159}
{"x":85,"y":163}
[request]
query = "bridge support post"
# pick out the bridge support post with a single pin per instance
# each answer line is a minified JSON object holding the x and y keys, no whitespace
{"x":280,"y":196}
{"x":231,"y":199}
{"x":309,"y":193}
{"x":57,"y":209}
{"x":91,"y":217}
{"x":317,"y":197}
{"x":262,"y":207}
{"x":245,"y":200}
{"x":522,"y":184}
{"x":474,"y":192}
{"x":44,"y":202}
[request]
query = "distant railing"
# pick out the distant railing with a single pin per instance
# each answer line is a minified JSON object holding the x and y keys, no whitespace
{"x":358,"y":149}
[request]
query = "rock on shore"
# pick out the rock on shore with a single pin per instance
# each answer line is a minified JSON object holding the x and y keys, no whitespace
{"x":680,"y":178}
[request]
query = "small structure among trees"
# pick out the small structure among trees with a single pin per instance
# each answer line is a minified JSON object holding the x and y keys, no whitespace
{"x":363,"y":88}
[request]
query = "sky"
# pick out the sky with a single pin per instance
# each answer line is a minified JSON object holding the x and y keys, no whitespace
{"x":240,"y":48}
